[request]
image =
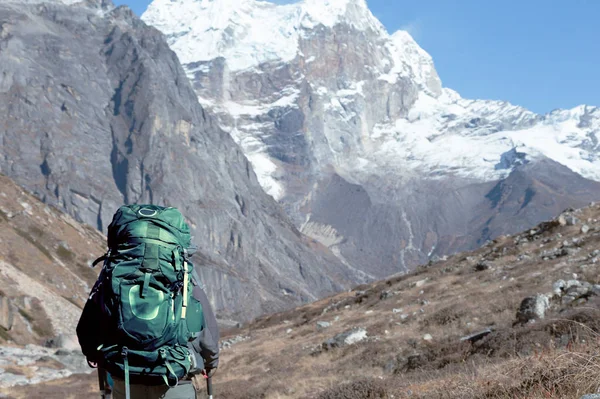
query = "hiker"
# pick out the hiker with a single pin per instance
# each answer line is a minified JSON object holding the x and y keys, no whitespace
{"x":147,"y":322}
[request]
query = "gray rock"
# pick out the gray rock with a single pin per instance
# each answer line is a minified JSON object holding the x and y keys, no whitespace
{"x":562,"y":220}
{"x":349,"y":337}
{"x":572,"y":220}
{"x":7,"y":313}
{"x":559,"y":287}
{"x":321,"y":325}
{"x":585,"y":229}
{"x":533,"y":308}
{"x":103,"y":92}
{"x":483,"y":265}
{"x":591,"y":396}
{"x":63,"y":341}
{"x":228,"y":343}
{"x":477,"y":336}
{"x":420,"y":283}
{"x":386,"y":295}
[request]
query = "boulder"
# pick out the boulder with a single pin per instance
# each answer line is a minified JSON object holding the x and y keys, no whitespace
{"x":64,"y":341}
{"x":321,"y":325}
{"x":386,"y":295}
{"x":346,"y":338}
{"x":533,"y":308}
{"x":572,"y":221}
{"x":7,"y":313}
{"x":483,"y":265}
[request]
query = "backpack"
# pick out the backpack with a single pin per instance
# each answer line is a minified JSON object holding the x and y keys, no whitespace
{"x":141,"y":316}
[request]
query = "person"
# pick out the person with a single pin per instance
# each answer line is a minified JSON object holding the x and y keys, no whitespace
{"x":148,"y":325}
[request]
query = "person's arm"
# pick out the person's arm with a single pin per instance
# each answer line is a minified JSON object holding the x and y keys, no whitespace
{"x":207,"y":343}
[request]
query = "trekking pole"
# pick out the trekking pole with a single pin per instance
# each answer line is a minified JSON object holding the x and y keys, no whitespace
{"x":104,"y":393}
{"x":209,"y":387}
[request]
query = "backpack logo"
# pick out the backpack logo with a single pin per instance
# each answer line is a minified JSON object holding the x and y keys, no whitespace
{"x":146,"y":212}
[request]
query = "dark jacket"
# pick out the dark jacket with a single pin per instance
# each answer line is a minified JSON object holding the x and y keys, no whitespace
{"x":207,"y":343}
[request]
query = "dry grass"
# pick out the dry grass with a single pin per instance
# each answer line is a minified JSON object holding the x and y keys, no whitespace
{"x":555,"y":358}
{"x":558,"y":357}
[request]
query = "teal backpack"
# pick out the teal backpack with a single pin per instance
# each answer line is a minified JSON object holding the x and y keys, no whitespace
{"x":141,"y":315}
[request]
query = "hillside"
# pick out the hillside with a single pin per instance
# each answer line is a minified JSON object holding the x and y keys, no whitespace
{"x":447,"y":330}
{"x":45,"y":273}
{"x":45,"y":277}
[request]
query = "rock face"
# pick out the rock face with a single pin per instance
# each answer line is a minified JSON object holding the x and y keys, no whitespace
{"x":350,"y":129}
{"x":96,"y":111}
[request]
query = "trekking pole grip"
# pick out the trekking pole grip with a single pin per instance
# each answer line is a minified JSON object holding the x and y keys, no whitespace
{"x":209,"y":387}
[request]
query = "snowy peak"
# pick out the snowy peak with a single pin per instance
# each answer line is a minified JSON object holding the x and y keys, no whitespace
{"x":332,"y":12}
{"x":406,"y":51}
{"x":248,"y":33}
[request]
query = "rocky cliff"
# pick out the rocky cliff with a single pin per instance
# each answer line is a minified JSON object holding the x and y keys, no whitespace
{"x":96,"y":111}
{"x":350,"y":129}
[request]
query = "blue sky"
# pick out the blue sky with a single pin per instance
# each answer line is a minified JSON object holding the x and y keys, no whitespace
{"x":540,"y":54}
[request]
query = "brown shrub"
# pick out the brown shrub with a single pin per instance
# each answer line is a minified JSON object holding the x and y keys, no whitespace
{"x":363,"y":389}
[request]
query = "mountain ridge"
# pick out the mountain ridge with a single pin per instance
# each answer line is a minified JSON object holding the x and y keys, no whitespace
{"x":354,"y":105}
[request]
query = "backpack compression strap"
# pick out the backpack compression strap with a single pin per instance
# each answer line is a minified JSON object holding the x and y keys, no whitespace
{"x":124,"y":353}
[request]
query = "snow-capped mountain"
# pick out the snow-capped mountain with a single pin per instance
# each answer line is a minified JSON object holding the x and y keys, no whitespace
{"x":350,"y":129}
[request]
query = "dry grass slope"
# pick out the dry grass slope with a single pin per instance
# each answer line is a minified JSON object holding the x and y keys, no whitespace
{"x":557,"y":357}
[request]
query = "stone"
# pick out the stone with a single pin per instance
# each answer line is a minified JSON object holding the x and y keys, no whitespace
{"x":591,"y":396}
{"x":397,"y":310}
{"x":385,"y":295}
{"x":427,"y":337}
{"x":562,"y":220}
{"x":321,"y":325}
{"x":572,"y":221}
{"x":585,"y":229}
{"x":558,"y":287}
{"x":483,"y":265}
{"x":7,"y":313}
{"x":477,"y":336}
{"x":420,"y":283}
{"x":346,"y":338}
{"x":228,"y":343}
{"x":64,"y":341}
{"x":533,"y":308}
